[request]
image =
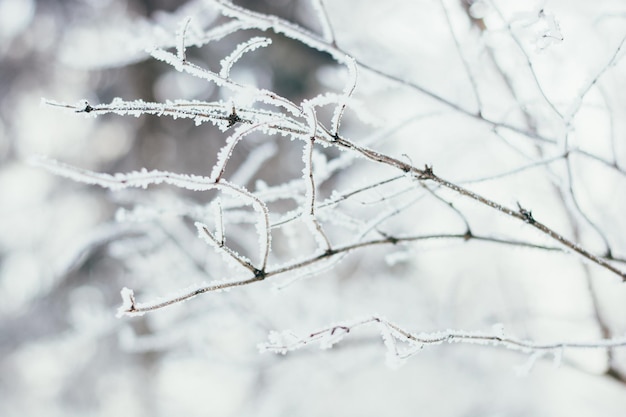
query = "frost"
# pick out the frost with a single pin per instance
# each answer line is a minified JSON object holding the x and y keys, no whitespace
{"x":128,"y":303}
{"x":227,"y":150}
{"x":181,"y":36}
{"x":498,"y":330}
{"x":546,"y":26}
{"x":393,"y":357}
{"x":280,"y":342}
{"x":333,"y":336}
{"x":135,"y":179}
{"x":347,"y":93}
{"x":248,"y":46}
{"x":234,"y":259}
{"x":266,"y":22}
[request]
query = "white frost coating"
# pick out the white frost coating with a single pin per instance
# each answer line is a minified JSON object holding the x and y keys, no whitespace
{"x":184,"y":66}
{"x":261,"y":95}
{"x":119,"y":181}
{"x":222,"y":31}
{"x":498,"y":330}
{"x":181,"y":35}
{"x":315,"y":229}
{"x":227,"y":150}
{"x":392,"y":334}
{"x":547,"y":30}
{"x":281,"y":342}
{"x":128,"y":304}
{"x":269,"y":97}
{"x":334,"y":336}
{"x":307,"y":176}
{"x":167,"y":57}
{"x":311,"y":117}
{"x":232,"y":258}
{"x":323,"y":99}
{"x":392,"y":357}
{"x":347,"y":92}
{"x":144,"y":178}
{"x":342,"y":101}
{"x":214,"y":112}
{"x":248,"y":46}
{"x":266,"y":22}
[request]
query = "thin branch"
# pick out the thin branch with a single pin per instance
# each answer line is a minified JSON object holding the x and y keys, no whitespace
{"x":521,"y":214}
{"x":451,"y":206}
{"x":529,"y":63}
{"x":281,"y":26}
{"x":347,"y":92}
{"x":466,"y":65}
{"x":328,"y":336}
{"x":226,"y":152}
{"x":514,"y":171}
{"x":336,"y":199}
{"x":309,"y":180}
{"x":576,"y":105}
{"x":340,"y":250}
{"x":181,"y":49}
{"x":208,"y":237}
{"x":590,"y":222}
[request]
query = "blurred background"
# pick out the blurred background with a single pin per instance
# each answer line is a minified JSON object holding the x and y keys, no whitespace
{"x":66,"y":249}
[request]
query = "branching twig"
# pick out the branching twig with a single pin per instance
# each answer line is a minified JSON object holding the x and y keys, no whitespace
{"x":284,"y":342}
{"x":427,"y":174}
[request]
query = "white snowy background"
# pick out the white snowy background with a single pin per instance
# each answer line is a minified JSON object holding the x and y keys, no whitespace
{"x":67,"y":248}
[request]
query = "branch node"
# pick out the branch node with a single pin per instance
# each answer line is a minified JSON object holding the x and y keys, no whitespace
{"x":426,"y":173}
{"x":259,"y":274}
{"x":527,"y":215}
{"x":86,"y":109}
{"x":233,"y":118}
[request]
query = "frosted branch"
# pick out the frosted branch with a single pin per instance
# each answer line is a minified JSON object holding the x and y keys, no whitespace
{"x":205,"y":234}
{"x":248,"y":46}
{"x":181,"y":36}
{"x":391,"y":333}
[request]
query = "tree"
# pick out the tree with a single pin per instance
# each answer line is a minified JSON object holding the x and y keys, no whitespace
{"x":439,"y":165}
